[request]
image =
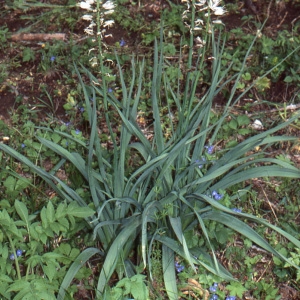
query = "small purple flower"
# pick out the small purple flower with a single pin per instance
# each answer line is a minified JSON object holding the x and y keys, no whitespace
{"x":81,"y":109}
{"x":122,"y":43}
{"x":19,"y":252}
{"x":179,"y":268}
{"x":77,"y":131}
{"x":109,"y":90}
{"x":219,"y":197}
{"x":23,"y":145}
{"x":230,"y":298}
{"x":52,"y":58}
{"x":199,"y":162}
{"x":12,"y":257}
{"x":209,"y":149}
{"x":237,"y":210}
{"x":68,"y":123}
{"x":216,"y":195}
{"x":213,"y":288}
{"x":214,"y":297}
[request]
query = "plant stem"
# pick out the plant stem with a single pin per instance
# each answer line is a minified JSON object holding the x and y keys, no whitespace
{"x":15,"y":255}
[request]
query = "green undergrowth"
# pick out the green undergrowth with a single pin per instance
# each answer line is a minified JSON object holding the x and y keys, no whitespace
{"x":147,"y":191}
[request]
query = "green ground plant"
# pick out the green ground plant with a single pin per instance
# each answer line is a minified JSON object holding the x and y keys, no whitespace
{"x":27,"y":270}
{"x":173,"y":206}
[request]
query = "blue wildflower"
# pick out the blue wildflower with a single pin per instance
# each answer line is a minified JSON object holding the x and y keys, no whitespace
{"x":19,"y":252}
{"x":23,"y":145}
{"x":52,"y":58}
{"x":214,"y":297}
{"x":237,"y":210}
{"x":209,"y":149}
{"x":199,"y":162}
{"x":110,"y":90}
{"x":213,"y":288}
{"x":230,"y":298}
{"x":122,"y":43}
{"x":81,"y":109}
{"x":179,"y":268}
{"x":77,"y":131}
{"x":216,"y":195}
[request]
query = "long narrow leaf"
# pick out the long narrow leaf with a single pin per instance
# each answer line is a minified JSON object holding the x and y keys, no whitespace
{"x":169,"y":272}
{"x":115,"y":253}
{"x":82,"y":258}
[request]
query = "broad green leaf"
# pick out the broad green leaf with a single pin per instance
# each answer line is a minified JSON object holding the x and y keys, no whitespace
{"x":5,"y":278}
{"x":80,"y":212}
{"x":236,"y":289}
{"x":44,"y":219}
{"x":50,"y":270}
{"x":64,"y":222}
{"x":50,"y":212}
{"x":19,"y":285}
{"x":138,"y":288}
{"x":22,"y":211}
{"x":61,"y":211}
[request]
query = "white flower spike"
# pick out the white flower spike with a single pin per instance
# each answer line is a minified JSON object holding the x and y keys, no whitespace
{"x":85,"y":5}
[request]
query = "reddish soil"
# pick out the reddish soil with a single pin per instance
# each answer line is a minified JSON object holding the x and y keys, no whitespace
{"x":26,"y":84}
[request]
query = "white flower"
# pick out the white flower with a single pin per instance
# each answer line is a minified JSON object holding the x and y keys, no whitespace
{"x":199,"y":42}
{"x":108,"y":5}
{"x":218,"y":22}
{"x":108,"y":23}
{"x":89,"y":31}
{"x":93,"y":62}
{"x":219,"y":11}
{"x":200,"y":3}
{"x":258,"y":33}
{"x":87,"y":17}
{"x":199,"y":22}
{"x":85,"y":5}
{"x":257,"y":125}
{"x":109,"y":12}
{"x":213,"y":3}
{"x":291,"y":106}
{"x":92,"y":24}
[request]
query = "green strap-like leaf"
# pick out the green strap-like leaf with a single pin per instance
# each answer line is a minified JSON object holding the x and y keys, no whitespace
{"x":115,"y":252}
{"x":168,"y":261}
{"x":74,"y":268}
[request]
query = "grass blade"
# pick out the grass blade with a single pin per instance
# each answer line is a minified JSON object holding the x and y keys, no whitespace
{"x":74,"y":268}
